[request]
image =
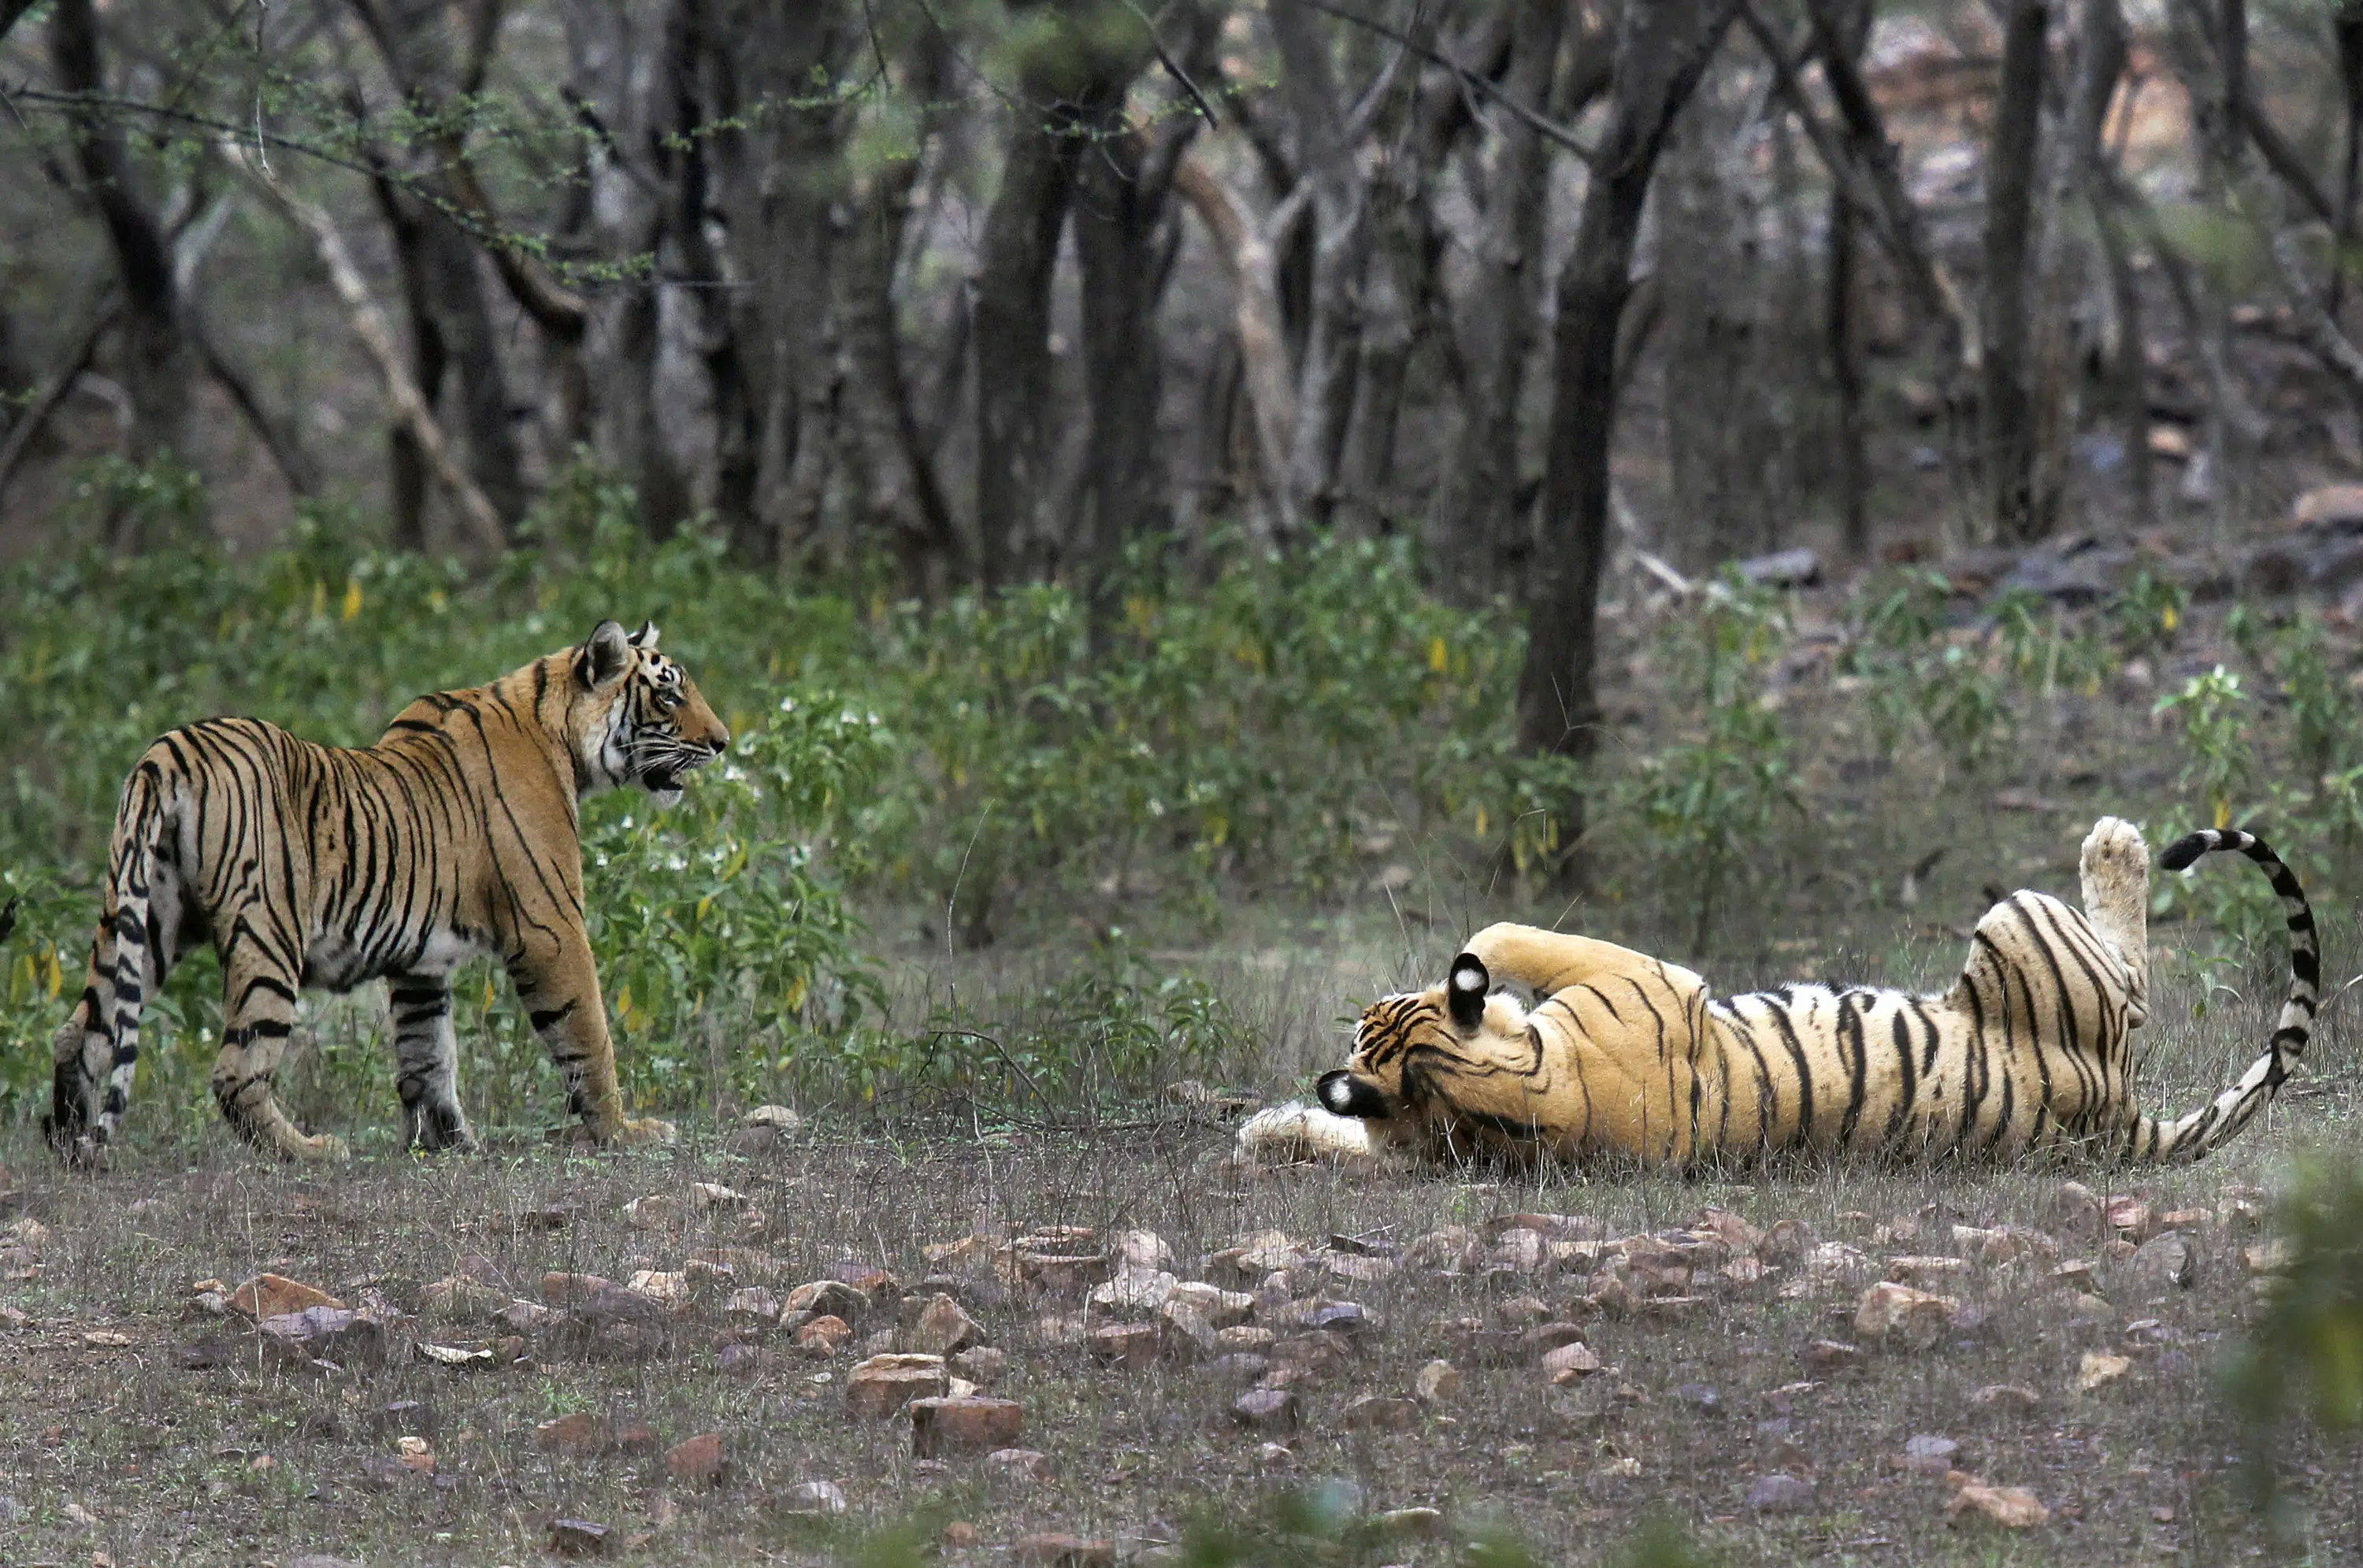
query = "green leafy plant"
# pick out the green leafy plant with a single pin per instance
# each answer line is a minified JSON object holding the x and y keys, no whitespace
{"x":2148,"y":613}
{"x":2303,"y":1356}
{"x":2218,"y":761}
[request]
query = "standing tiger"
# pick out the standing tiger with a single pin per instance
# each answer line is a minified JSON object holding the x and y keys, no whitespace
{"x":312,"y":866}
{"x":1626,"y":1055}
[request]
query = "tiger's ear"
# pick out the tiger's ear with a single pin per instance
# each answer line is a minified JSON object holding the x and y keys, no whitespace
{"x":646,"y":638}
{"x":1465,"y":991}
{"x":603,"y":657}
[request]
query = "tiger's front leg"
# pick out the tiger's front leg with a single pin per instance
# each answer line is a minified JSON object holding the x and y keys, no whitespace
{"x":559,"y":990}
{"x":426,"y":1056}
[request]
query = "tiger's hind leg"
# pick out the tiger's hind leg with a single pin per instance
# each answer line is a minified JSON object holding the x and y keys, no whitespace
{"x":259,"y":1015}
{"x":427,"y":1064}
{"x":2115,"y":877}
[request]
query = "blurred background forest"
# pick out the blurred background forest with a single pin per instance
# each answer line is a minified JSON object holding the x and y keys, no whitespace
{"x":1124,"y":463}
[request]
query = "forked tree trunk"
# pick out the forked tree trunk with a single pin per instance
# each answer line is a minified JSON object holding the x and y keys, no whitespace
{"x":2009,"y":411}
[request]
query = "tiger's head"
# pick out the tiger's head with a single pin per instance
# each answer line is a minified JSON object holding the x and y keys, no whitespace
{"x":637,"y":717}
{"x":1403,"y":1041}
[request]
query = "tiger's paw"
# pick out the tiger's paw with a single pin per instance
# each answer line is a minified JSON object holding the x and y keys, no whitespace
{"x":2114,"y":857}
{"x":1289,"y":1134}
{"x":326,"y":1149}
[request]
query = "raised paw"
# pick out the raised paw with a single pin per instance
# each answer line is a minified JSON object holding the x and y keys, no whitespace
{"x":326,"y":1149}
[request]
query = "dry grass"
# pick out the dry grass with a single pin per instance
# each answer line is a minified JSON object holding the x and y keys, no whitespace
{"x":165,"y":1458}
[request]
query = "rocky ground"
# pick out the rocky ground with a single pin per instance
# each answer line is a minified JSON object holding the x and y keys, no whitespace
{"x":1038,"y":1348}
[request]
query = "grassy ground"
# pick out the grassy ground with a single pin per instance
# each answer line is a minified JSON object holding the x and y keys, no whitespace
{"x":175,"y":1439}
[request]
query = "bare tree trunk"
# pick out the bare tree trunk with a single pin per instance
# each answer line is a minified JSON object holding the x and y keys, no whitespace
{"x":1115,"y":220}
{"x":1841,"y":332}
{"x":2348,"y":26}
{"x":2010,"y":216}
{"x":1244,"y":246}
{"x":1479,"y":503}
{"x":1662,"y":51}
{"x":159,"y":364}
{"x":1343,"y":237}
{"x":1012,"y":345}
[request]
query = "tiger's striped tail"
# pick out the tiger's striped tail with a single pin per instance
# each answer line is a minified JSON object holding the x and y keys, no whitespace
{"x":139,"y":823}
{"x":2200,"y":1133}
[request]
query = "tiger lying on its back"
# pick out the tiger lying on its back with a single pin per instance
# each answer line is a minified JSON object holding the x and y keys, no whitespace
{"x":1627,"y":1055}
{"x":313,"y":866}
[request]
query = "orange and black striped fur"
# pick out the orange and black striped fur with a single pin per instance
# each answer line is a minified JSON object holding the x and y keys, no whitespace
{"x":1626,"y":1055}
{"x":313,"y":866}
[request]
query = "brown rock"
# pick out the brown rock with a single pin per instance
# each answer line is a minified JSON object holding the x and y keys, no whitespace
{"x":1900,"y":1315}
{"x":275,"y":1295}
{"x":947,"y":1426}
{"x":579,"y":1432}
{"x":1438,"y":1383}
{"x":959,"y":1535}
{"x":698,"y":1461}
{"x":2336,"y":508}
{"x":814,"y":1499}
{"x":2012,"y":1508}
{"x":1444,"y":1250}
{"x":326,"y":1333}
{"x":823,"y":1336}
{"x":1523,"y":1311}
{"x":2009,"y":1396}
{"x":980,"y":1364}
{"x":1245,"y":1337}
{"x":1569,"y":1363}
{"x":828,"y":1299}
{"x":1377,"y":1413}
{"x":1313,"y":1355}
{"x":2168,"y":1259}
{"x":1125,"y":1344}
{"x":1830,"y":1355}
{"x":566,"y":1290}
{"x":2098,"y":1370}
{"x":2130,"y":1217}
{"x":579,"y":1538}
{"x":878,"y":1387}
{"x":942,"y":1328}
{"x":1268,"y":1411}
{"x":1051,"y":1550}
{"x":1545,"y":1338}
{"x":1239,"y":1367}
{"x":1018,"y":1465}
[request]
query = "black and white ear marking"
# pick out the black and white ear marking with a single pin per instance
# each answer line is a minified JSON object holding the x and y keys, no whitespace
{"x":603,"y":657}
{"x":1465,"y":991}
{"x":646,"y":638}
{"x":1343,"y":1094}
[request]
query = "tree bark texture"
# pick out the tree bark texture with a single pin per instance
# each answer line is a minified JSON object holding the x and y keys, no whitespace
{"x":2008,"y":411}
{"x":1662,"y":52}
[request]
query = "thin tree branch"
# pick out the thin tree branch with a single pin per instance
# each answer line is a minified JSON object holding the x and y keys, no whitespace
{"x":286,"y":453}
{"x":21,"y":433}
{"x":482,"y":521}
{"x":1549,"y":131}
{"x":1173,"y":67}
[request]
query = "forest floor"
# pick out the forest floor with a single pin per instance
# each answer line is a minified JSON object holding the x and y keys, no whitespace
{"x":1732,"y":1388}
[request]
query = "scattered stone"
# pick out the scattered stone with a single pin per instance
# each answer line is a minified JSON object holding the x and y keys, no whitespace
{"x":2098,"y":1370}
{"x":1830,"y":1355}
{"x":2012,"y":1398}
{"x":1268,"y":1411}
{"x":1545,"y":1338}
{"x":1133,"y":1291}
{"x":310,"y":1560}
{"x":326,"y":1333}
{"x":1378,"y":1413}
{"x":579,"y":1538}
{"x":456,"y":1355}
{"x":1925,"y":1269}
{"x":1900,"y":1315}
{"x":670,"y":1290}
{"x":882,"y":1385}
{"x":569,"y":1289}
{"x":1313,"y":1355}
{"x":1245,"y":1337}
{"x":744,"y":1360}
{"x":2268,"y":1257}
{"x":823,"y":1336}
{"x":2130,"y":1217}
{"x":1125,"y":1344}
{"x":1569,"y":1363}
{"x":649,"y":1213}
{"x":2169,"y":1259}
{"x":275,"y":1295}
{"x":813,"y":1498}
{"x":1417,"y":1523}
{"x":1929,"y":1454}
{"x":459,"y":1299}
{"x":1239,"y":1367}
{"x":2088,"y":1308}
{"x":942,"y":1328}
{"x":1055,"y":1551}
{"x":713,"y":1194}
{"x":753,"y":1302}
{"x":578,"y":1432}
{"x":698,"y":1461}
{"x":828,"y":1299}
{"x":1779,"y":1493}
{"x":1018,"y":1465}
{"x":980,"y":1364}
{"x":959,"y":1535}
{"x":972,"y":1425}
{"x":2012,"y":1508}
{"x":2332,"y":508}
{"x":1442,"y":1251}
{"x":1438,"y":1383}
{"x":777,"y":1117}
{"x":523,"y":1316}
